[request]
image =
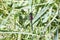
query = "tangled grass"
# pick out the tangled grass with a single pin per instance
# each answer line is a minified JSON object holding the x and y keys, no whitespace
{"x":15,"y":23}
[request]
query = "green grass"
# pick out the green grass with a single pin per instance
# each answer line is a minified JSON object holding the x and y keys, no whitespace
{"x":15,"y":19}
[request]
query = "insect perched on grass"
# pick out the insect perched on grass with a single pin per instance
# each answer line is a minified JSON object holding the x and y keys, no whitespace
{"x":31,"y":16}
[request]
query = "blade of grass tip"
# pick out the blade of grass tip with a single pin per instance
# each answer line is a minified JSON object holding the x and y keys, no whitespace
{"x":19,"y":36}
{"x":56,"y":36}
{"x":26,"y":22}
{"x":40,"y":14}
{"x":54,"y":30}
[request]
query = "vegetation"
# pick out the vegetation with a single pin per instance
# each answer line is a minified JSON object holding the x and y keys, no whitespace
{"x":15,"y":23}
